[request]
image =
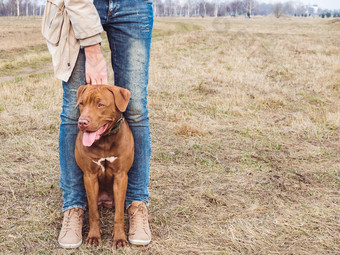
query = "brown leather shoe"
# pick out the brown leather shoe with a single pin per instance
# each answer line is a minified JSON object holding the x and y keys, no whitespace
{"x":139,"y":230}
{"x":70,"y":234}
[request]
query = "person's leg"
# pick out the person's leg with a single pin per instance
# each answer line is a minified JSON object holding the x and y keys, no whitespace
{"x":71,"y":177}
{"x":129,"y":28}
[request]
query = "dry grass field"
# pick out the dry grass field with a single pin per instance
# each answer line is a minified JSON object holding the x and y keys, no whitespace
{"x":245,"y":120}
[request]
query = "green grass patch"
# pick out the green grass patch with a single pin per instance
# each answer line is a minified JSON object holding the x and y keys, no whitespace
{"x":179,"y":27}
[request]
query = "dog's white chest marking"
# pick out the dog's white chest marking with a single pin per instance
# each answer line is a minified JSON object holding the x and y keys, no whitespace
{"x":99,"y":162}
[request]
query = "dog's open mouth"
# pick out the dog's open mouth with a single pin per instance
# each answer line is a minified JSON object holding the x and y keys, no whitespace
{"x":90,"y":137}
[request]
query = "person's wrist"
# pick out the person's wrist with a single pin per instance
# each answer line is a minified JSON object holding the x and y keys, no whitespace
{"x":92,"y":48}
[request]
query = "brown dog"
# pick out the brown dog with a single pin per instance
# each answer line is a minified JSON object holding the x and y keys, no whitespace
{"x":104,"y":152}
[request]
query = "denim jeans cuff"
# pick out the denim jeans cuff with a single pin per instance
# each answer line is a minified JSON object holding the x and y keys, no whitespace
{"x":128,"y":204}
{"x":74,"y":206}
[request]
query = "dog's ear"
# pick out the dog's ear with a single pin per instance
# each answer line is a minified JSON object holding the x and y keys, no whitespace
{"x":80,"y":91}
{"x":121,"y":96}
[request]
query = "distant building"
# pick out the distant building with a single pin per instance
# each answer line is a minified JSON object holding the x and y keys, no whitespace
{"x":312,"y":10}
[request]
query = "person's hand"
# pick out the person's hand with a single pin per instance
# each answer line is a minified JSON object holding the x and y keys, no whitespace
{"x":95,"y":65}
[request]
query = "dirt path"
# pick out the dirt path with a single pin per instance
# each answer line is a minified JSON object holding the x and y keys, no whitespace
{"x":27,"y":71}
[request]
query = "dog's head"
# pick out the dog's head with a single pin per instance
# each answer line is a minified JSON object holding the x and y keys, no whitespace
{"x":100,"y":106}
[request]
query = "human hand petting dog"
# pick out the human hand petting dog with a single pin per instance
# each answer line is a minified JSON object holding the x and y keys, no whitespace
{"x":95,"y":65}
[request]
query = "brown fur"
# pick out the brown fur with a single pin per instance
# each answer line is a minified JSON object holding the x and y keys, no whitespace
{"x":112,"y":183}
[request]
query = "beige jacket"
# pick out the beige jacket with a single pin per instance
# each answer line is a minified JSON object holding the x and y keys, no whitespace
{"x":68,"y":25}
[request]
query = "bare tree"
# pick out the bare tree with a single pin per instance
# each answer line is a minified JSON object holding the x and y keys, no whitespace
{"x":11,"y":8}
{"x":279,"y":9}
{"x":237,"y":7}
{"x":195,"y":7}
{"x":249,"y":7}
{"x":41,"y":7}
{"x":154,"y":6}
{"x":18,"y":7}
{"x":27,"y":1}
{"x":189,"y":6}
{"x":290,"y":8}
{"x":204,"y":5}
{"x":216,"y":9}
{"x":168,"y":7}
{"x":2,"y":8}
{"x":179,"y":8}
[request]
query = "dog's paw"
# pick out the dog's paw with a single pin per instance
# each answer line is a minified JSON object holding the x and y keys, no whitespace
{"x":119,"y":242}
{"x":93,"y":239}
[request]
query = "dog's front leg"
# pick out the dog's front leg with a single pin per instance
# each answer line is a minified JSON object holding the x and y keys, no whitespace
{"x":119,"y":192}
{"x":92,"y":189}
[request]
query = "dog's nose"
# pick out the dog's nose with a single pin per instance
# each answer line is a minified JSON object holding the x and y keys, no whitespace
{"x":83,"y":123}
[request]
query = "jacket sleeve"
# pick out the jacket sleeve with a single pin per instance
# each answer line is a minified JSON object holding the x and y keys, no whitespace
{"x":85,"y":21}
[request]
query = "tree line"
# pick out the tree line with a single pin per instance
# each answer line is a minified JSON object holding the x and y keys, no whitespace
{"x":189,"y":8}
{"x":22,"y":7}
{"x":216,"y":8}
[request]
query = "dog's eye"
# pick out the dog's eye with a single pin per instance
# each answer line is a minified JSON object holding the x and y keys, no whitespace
{"x":100,"y":105}
{"x":81,"y":103}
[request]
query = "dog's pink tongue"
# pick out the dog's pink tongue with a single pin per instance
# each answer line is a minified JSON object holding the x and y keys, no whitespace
{"x":89,"y":138}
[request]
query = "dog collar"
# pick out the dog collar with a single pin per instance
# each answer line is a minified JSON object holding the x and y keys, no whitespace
{"x":116,"y":127}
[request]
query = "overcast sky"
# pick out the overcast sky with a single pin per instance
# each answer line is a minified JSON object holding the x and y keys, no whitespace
{"x":324,"y":4}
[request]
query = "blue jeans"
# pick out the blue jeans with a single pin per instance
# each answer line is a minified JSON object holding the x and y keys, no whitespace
{"x":129,"y":27}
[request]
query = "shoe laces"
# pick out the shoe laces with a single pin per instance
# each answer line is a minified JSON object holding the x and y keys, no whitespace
{"x":72,"y":219}
{"x":138,"y":217}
